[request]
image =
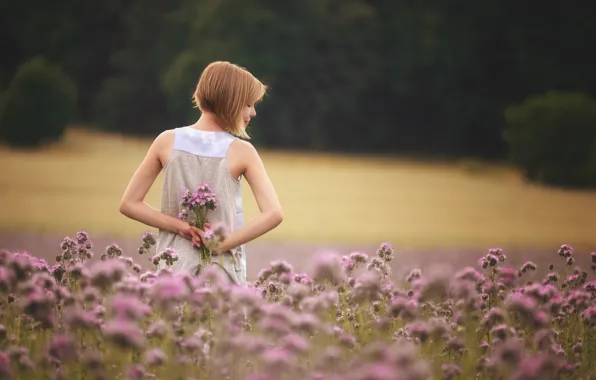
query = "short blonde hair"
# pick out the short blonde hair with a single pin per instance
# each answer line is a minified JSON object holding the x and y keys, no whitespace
{"x":224,"y":89}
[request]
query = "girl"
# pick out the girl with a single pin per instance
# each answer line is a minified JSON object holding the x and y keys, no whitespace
{"x":208,"y":151}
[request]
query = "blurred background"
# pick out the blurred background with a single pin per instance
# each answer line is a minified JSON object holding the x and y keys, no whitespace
{"x":442,"y":127}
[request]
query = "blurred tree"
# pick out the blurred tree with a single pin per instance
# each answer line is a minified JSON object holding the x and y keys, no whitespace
{"x":553,"y":138}
{"x":38,"y":105}
{"x":416,"y":77}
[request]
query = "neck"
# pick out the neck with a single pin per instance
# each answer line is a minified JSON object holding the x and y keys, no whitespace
{"x":207,"y":122}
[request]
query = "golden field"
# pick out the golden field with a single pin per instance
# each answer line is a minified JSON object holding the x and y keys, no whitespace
{"x":77,"y":184}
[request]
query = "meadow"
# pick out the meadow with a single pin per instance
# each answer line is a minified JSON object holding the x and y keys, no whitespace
{"x":346,"y":319}
{"x":433,"y":303}
{"x":77,"y":184}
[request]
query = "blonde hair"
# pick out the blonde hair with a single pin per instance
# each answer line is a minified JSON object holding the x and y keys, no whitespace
{"x":224,"y":89}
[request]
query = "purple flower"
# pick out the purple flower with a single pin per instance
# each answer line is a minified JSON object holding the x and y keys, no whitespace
{"x":113,"y":251}
{"x":420,"y":330}
{"x":155,"y":357}
{"x":508,"y":276}
{"x":589,"y":316}
{"x":493,"y":317}
{"x":306,"y":323}
{"x":375,"y":371}
{"x":136,"y":372}
{"x":245,"y":296}
{"x":5,"y":370}
{"x":93,"y":360}
{"x":403,"y":308}
{"x":157,"y":329}
{"x":500,"y":331}
{"x":565,"y":250}
{"x":579,"y":299}
{"x":328,"y":267}
{"x":528,"y":265}
{"x":62,"y":348}
{"x":498,"y":252}
{"x":470,"y":274}
{"x":414,"y":274}
{"x":359,"y":257}
{"x":105,"y":273}
{"x":80,"y":319}
{"x":39,"y":303}
{"x":278,"y":359}
{"x":7,"y":280}
{"x":450,"y":370}
{"x":148,"y":277}
{"x":508,"y":352}
{"x":168,"y":289}
{"x":535,"y":367}
{"x":521,"y":303}
{"x":130,"y":307}
{"x":264,"y":274}
{"x":386,"y":251}
{"x":280,"y":267}
{"x":124,"y":334}
{"x":296,"y":344}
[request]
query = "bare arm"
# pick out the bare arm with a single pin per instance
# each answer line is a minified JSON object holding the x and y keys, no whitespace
{"x":270,"y":215}
{"x":133,"y":203}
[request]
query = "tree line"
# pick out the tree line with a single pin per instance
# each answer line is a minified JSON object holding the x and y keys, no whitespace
{"x":429,"y":77}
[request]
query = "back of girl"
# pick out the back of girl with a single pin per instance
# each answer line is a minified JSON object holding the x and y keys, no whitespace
{"x":210,"y":152}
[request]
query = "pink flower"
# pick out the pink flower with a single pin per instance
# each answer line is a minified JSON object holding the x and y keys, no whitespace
{"x":245,"y":296}
{"x":508,"y":276}
{"x":296,"y":343}
{"x":306,"y":323}
{"x":450,"y":370}
{"x":130,"y":307}
{"x":155,"y":357}
{"x":376,"y":371}
{"x":413,"y":275}
{"x":157,"y":329}
{"x":565,"y":251}
{"x":7,"y":280}
{"x":62,"y":347}
{"x":528,"y":265}
{"x":589,"y":316}
{"x":264,"y":274}
{"x":168,"y":289}
{"x":105,"y":273}
{"x":5,"y":370}
{"x":40,"y":305}
{"x":278,"y":359}
{"x":136,"y":372}
{"x":80,"y":319}
{"x":328,"y":267}
{"x":493,"y":317}
{"x":280,"y":267}
{"x":124,"y":334}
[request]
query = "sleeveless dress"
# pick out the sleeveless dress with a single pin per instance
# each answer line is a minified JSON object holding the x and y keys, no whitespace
{"x":199,"y":157}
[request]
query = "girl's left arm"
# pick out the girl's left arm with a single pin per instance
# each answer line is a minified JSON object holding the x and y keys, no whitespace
{"x":133,"y":203}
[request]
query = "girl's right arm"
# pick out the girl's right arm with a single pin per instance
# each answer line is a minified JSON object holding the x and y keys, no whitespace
{"x":270,"y":215}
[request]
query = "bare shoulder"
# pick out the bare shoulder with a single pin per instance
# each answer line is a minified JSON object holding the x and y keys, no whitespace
{"x":162,"y":146}
{"x":164,"y":138}
{"x":244,"y":150}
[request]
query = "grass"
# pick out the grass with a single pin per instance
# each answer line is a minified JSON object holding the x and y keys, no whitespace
{"x":77,"y":184}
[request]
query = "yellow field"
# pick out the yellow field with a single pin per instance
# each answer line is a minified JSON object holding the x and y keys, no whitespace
{"x":78,"y":183}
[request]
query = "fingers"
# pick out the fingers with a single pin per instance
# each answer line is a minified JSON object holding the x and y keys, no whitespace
{"x":207,"y":225}
{"x":195,"y":236}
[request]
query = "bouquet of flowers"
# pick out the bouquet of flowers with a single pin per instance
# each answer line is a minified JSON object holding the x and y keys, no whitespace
{"x":195,"y":207}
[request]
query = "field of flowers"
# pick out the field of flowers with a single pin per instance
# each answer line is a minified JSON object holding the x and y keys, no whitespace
{"x":349,"y":318}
